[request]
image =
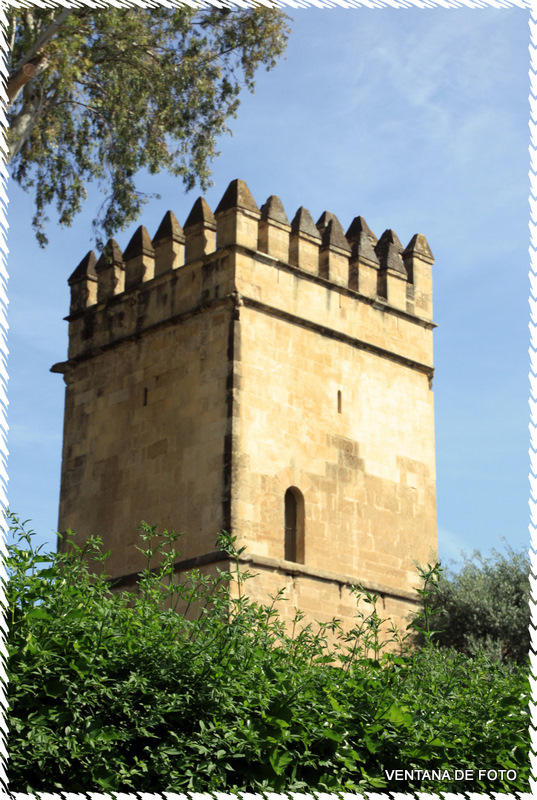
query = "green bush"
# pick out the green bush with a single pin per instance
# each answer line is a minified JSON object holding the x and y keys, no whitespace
{"x":118,"y":692}
{"x":483,"y":607}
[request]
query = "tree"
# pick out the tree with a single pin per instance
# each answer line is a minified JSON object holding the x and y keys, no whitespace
{"x":120,"y":692}
{"x":484,"y":606}
{"x":100,"y":94}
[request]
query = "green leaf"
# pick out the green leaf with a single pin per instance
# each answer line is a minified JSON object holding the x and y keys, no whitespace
{"x":74,"y":614}
{"x":37,"y":613}
{"x":335,"y":737}
{"x":397,"y":715}
{"x":376,"y":783}
{"x":279,"y":759}
{"x":372,"y":745}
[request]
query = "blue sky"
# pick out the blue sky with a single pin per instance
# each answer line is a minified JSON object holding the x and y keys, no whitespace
{"x":415,"y":119}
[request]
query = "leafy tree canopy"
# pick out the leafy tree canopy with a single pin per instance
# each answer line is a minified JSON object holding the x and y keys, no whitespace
{"x":99,"y":94}
{"x":182,"y":685}
{"x":483,"y":606}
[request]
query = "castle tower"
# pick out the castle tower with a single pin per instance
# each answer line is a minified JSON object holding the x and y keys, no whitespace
{"x":267,"y":378}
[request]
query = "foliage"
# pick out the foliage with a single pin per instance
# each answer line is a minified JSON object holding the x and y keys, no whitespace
{"x":115,"y":90}
{"x":482,"y":607}
{"x":114,"y":691}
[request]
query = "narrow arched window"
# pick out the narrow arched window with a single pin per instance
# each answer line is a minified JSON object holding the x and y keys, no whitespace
{"x":294,"y":525}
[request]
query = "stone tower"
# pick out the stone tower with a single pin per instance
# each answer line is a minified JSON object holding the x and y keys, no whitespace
{"x":270,"y":379}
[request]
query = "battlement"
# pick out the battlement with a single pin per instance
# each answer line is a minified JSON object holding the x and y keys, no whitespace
{"x":181,"y":269}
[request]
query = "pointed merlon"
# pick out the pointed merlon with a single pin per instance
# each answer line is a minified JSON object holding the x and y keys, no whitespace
{"x":139,"y":245}
{"x":273,"y":209}
{"x":334,"y":235}
{"x":322,"y":222}
{"x":419,"y":246}
{"x":86,"y":269}
{"x":237,"y":195}
{"x":303,"y":223}
{"x":358,"y":227}
{"x":389,"y":250}
{"x":362,"y":248}
{"x":111,"y":255}
{"x":390,"y":237}
{"x":200,"y":213}
{"x":169,"y":229}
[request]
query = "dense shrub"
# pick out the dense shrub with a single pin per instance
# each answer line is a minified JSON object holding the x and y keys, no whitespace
{"x":119,"y":692}
{"x":483,"y":606}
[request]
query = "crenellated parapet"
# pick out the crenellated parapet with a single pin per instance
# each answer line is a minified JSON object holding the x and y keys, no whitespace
{"x":357,"y":259}
{"x":193,"y":262}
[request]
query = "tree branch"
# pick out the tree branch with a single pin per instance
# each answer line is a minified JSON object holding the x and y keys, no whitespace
{"x":28,"y":71}
{"x":23,"y":72}
{"x":22,"y":126}
{"x":24,"y":122}
{"x":45,"y":37}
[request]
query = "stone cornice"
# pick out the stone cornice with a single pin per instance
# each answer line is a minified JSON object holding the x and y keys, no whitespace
{"x":284,"y":568}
